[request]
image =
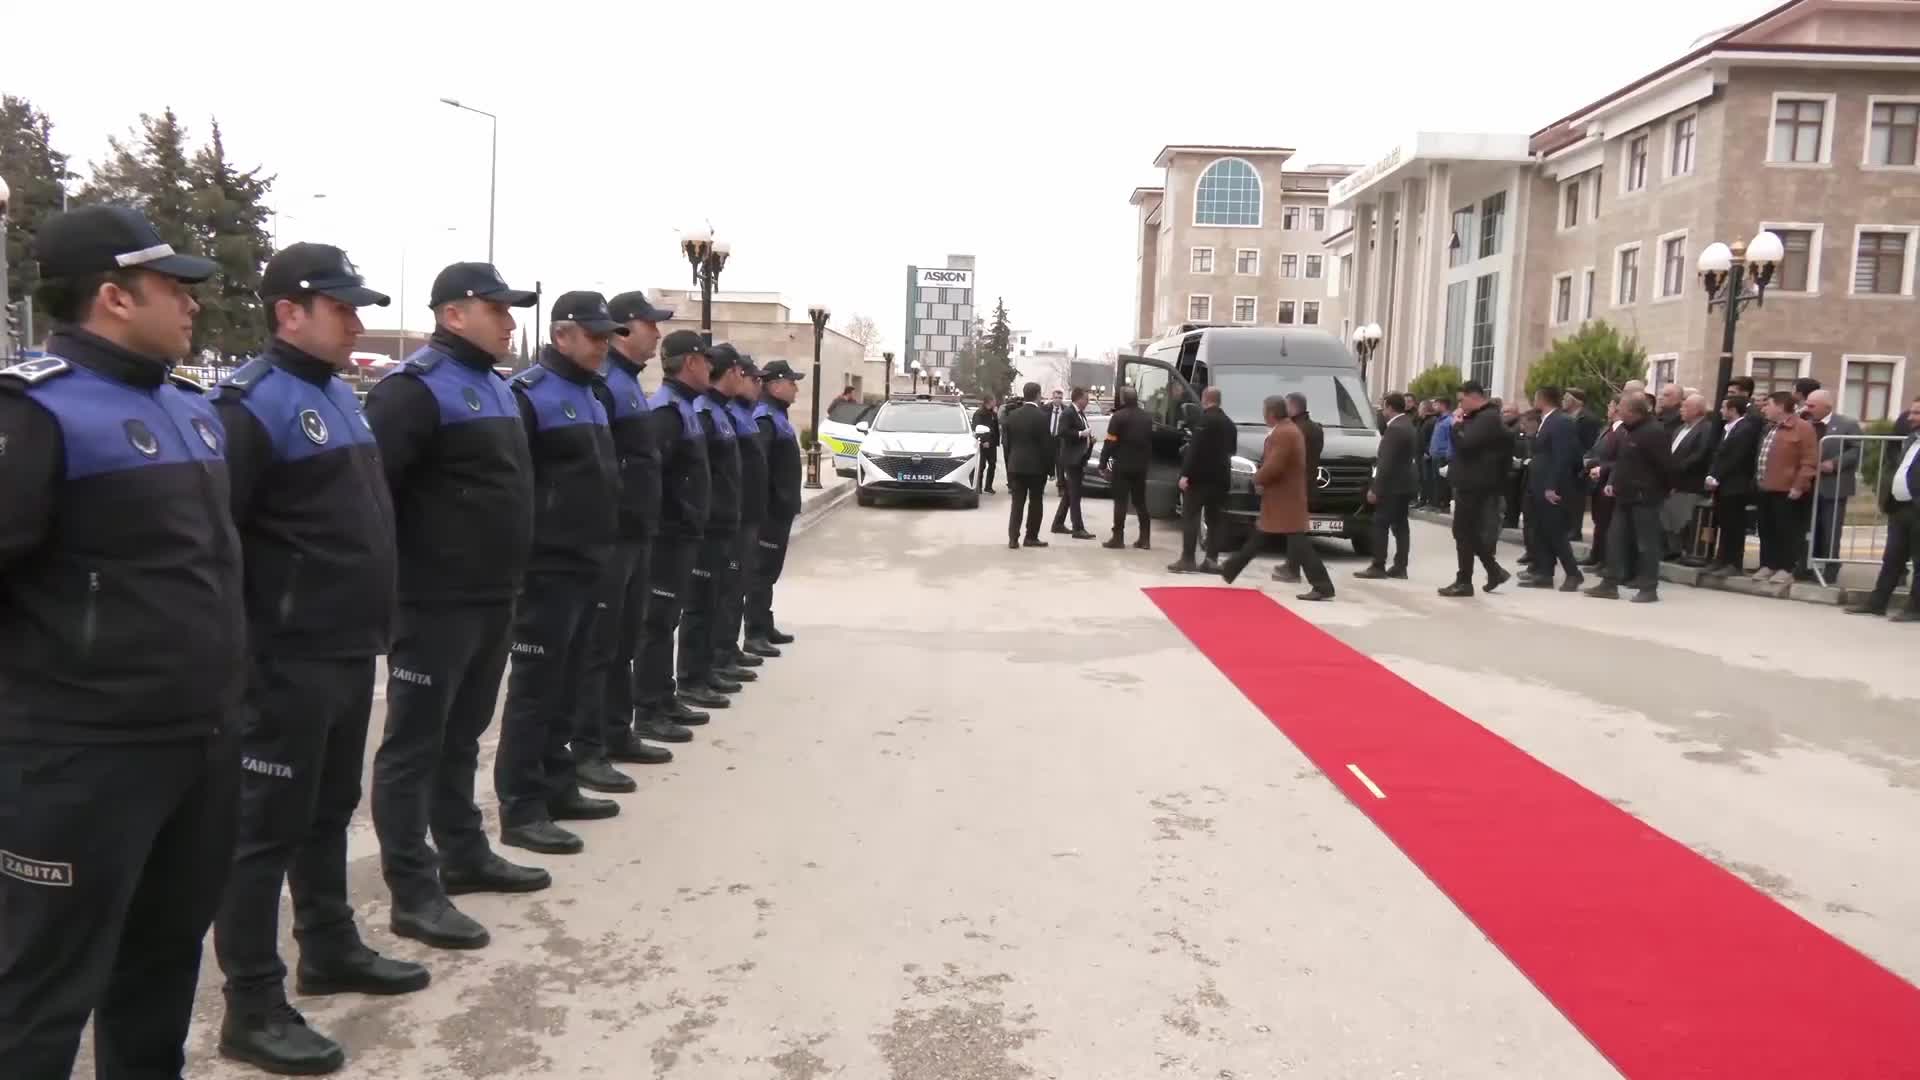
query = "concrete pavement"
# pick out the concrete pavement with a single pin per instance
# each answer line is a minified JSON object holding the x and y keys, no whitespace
{"x":992,"y":817}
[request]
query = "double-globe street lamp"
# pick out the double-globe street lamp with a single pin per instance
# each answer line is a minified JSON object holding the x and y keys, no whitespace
{"x":1725,"y":273}
{"x":1365,"y":340}
{"x":707,"y":257}
{"x":818,"y":313}
{"x":493,"y":168}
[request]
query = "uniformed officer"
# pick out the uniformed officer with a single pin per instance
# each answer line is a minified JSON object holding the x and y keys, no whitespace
{"x":604,"y":722}
{"x":780,"y":384}
{"x":700,"y":627}
{"x":685,"y":493}
{"x":564,"y":405}
{"x":753,"y":511}
{"x":457,"y":463}
{"x":121,"y":632}
{"x":316,"y":530}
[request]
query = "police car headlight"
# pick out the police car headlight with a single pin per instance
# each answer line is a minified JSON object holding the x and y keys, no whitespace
{"x":1243,"y":465}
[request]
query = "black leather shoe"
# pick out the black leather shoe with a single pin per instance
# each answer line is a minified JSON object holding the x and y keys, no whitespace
{"x":1316,"y":595}
{"x":596,"y":774}
{"x":1398,"y":573}
{"x":703,"y":697}
{"x":278,"y":1040}
{"x":1182,"y":566}
{"x":362,"y":971}
{"x":440,"y":925}
{"x":1904,"y":615}
{"x":1061,"y":530}
{"x":776,"y":637}
{"x":1371,"y":573}
{"x":1458,"y":589}
{"x":1034,"y":543}
{"x":631,"y":751}
{"x":493,"y":875}
{"x":1282,"y":574}
{"x":1013,"y":545}
{"x":735,"y":674}
{"x":1865,"y":609}
{"x":574,"y":806}
{"x":1573,"y":583}
{"x":544,"y":837}
{"x":1082,"y":534}
{"x":720,"y":685}
{"x":677,"y":712}
{"x":742,"y":658}
{"x":1497,"y":577}
{"x":1210,"y":566}
{"x":1143,"y":544}
{"x":1114,"y":544}
{"x":1646,"y":596}
{"x":759,"y":648}
{"x":1604,"y":591}
{"x":1534,"y":581}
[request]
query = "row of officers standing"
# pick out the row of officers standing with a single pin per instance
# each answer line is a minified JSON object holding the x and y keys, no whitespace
{"x":195,"y":586}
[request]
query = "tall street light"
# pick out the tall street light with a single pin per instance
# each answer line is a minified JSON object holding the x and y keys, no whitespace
{"x":1365,"y":340}
{"x":707,"y":257}
{"x":1725,"y":274}
{"x":290,"y":217}
{"x":493,"y":167}
{"x":818,"y":313}
{"x":6,"y":305}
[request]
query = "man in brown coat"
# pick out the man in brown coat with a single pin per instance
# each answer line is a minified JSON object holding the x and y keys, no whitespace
{"x":1282,"y":483}
{"x":1789,"y":458}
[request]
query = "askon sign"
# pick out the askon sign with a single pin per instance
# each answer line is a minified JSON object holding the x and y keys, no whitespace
{"x":945,"y":279}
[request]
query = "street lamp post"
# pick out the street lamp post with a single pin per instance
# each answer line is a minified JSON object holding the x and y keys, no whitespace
{"x":6,"y":303}
{"x":1365,"y":340}
{"x":707,"y":257}
{"x":1725,"y":274}
{"x":888,"y":357}
{"x":493,"y":166}
{"x":818,"y":313}
{"x":295,"y":217}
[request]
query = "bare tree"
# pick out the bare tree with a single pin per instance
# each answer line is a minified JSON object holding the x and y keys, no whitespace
{"x":861,"y":329}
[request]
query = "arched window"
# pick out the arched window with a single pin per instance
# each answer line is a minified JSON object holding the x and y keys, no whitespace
{"x":1228,"y":194}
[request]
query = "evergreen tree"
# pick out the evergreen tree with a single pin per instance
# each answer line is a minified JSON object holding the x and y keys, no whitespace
{"x":149,"y":171}
{"x":35,"y":172}
{"x":230,"y":219}
{"x":996,"y":355}
{"x":1596,"y":359}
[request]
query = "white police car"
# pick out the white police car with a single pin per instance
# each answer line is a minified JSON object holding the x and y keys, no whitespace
{"x":919,"y":447}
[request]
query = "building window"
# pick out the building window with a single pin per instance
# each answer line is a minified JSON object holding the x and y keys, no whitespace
{"x":1772,"y":373}
{"x":1246,"y":261}
{"x":1493,"y":212}
{"x":1290,"y":217}
{"x":1563,"y":299}
{"x":1317,"y":218}
{"x":1313,"y":266}
{"x":1453,"y":345}
{"x":1797,"y":271}
{"x":1289,"y":266}
{"x":1199,"y":308}
{"x":1310,"y":313}
{"x":1799,"y":130}
{"x":1660,"y":370}
{"x":1586,"y":293}
{"x":1880,"y":262}
{"x":1626,"y":275}
{"x":1673,"y":265}
{"x":1895,"y":129}
{"x":1680,"y":157}
{"x":1246,"y":309}
{"x":1481,"y":360}
{"x":1636,"y":171}
{"x":1283,"y":312}
{"x":1868,"y":386}
{"x":1203,"y":260}
{"x":1460,"y":246}
{"x":1228,"y":194}
{"x":1570,"y":204}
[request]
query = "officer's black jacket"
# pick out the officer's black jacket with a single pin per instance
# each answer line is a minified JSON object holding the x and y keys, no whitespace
{"x":1129,"y":445}
{"x":753,"y":461}
{"x":633,"y":441}
{"x":686,"y":489}
{"x":576,"y":471}
{"x":723,"y":463}
{"x":1031,"y":449}
{"x":121,"y":616}
{"x":457,"y":463}
{"x":1642,"y":471}
{"x":311,"y":504}
{"x":783,"y":458}
{"x":1207,"y":461}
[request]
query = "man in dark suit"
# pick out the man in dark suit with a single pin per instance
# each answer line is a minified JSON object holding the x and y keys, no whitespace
{"x":1586,"y":428}
{"x":1900,"y":500}
{"x":1289,"y":571}
{"x":1068,"y":425}
{"x":1637,"y":481}
{"x":1206,"y":473}
{"x":1396,"y":478}
{"x":1553,"y":475}
{"x":988,"y":416}
{"x":1694,"y":438}
{"x":1030,"y":458}
{"x":1734,"y":485}
{"x":1125,"y":456}
{"x":1481,"y":449}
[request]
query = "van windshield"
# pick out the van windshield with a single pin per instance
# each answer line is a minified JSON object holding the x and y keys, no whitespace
{"x":1334,"y":399}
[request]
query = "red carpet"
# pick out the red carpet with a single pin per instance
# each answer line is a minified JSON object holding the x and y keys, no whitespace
{"x":1671,"y":967}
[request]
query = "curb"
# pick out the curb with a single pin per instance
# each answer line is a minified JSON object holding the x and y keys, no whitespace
{"x":817,"y":504}
{"x":1692,"y":577}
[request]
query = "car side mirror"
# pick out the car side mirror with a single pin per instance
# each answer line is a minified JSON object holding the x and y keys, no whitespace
{"x":981,"y":429}
{"x":863,"y":427}
{"x":1190,"y":414}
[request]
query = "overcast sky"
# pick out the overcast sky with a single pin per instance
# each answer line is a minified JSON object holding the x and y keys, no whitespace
{"x":832,"y":144}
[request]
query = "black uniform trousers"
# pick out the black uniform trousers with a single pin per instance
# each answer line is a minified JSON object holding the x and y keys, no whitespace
{"x":112,"y":859}
{"x":1548,"y":540}
{"x":1197,"y":503}
{"x":552,"y":626}
{"x":1299,"y":551}
{"x":730,"y":587}
{"x":1390,"y":521}
{"x":1029,"y":491}
{"x":1130,"y":491}
{"x":1731,"y":515}
{"x":303,"y":742}
{"x":443,"y":679}
{"x":1072,"y":482}
{"x":670,"y":561}
{"x":1903,"y":547}
{"x":989,"y":461}
{"x":603,"y":715}
{"x":769,"y":560}
{"x":1636,"y":545}
{"x":700,"y":622}
{"x":1476,"y":531}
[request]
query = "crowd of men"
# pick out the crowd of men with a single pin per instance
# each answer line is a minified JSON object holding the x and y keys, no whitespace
{"x":195,"y":587}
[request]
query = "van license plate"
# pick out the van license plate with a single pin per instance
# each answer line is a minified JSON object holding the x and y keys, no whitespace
{"x":1326,"y":525}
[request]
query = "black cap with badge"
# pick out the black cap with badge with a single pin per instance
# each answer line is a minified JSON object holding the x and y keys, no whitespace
{"x":631,"y":306}
{"x":305,"y":269}
{"x":477,"y":281}
{"x":724,"y":357}
{"x":683,"y":343}
{"x":101,"y":239}
{"x":589,"y":311}
{"x":779,"y":369}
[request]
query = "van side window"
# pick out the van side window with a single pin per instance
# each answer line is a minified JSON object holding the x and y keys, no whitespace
{"x":1154,"y":385}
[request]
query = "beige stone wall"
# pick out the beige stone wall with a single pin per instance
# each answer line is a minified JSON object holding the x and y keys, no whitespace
{"x":842,"y":361}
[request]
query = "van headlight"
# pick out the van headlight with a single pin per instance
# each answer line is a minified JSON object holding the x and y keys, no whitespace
{"x":1243,"y":465}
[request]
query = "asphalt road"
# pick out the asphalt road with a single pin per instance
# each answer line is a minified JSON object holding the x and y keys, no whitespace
{"x":992,"y":817}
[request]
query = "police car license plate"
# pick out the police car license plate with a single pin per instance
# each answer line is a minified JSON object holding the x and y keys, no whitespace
{"x":917,"y":478}
{"x":1325,"y":525}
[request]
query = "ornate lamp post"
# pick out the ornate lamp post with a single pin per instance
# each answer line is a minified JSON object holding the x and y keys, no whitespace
{"x":1365,"y":340}
{"x":818,"y":313}
{"x":1725,"y":275}
{"x":707,"y":257}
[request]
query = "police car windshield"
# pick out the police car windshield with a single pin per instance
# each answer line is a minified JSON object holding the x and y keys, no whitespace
{"x":1335,"y":400}
{"x":922,"y":418}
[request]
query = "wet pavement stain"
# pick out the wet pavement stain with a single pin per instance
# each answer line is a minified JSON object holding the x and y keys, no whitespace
{"x":1174,"y":819}
{"x":691,"y":1028}
{"x":1184,"y":1016}
{"x":968,"y":1035}
{"x":799,"y":1062}
{"x":1775,"y":885}
{"x":501,"y":1026}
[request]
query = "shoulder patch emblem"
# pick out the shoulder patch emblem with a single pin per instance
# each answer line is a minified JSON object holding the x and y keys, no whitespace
{"x":207,"y":435}
{"x":568,"y":408}
{"x":314,"y":428}
{"x":472,"y":398}
{"x":142,"y":439}
{"x":185,"y":383}
{"x":37,"y":371}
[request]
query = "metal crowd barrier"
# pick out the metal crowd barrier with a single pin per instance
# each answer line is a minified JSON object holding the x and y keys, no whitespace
{"x":1847,"y":526}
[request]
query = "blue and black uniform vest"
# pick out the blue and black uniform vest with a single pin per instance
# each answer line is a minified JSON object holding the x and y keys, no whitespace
{"x":753,"y":462}
{"x":783,"y":459}
{"x":125,"y":623}
{"x":576,"y":470}
{"x":633,"y":441}
{"x":723,"y":462}
{"x":680,"y":437}
{"x":311,"y":503}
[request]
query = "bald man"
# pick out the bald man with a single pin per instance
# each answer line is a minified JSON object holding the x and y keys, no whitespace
{"x":1840,"y":446}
